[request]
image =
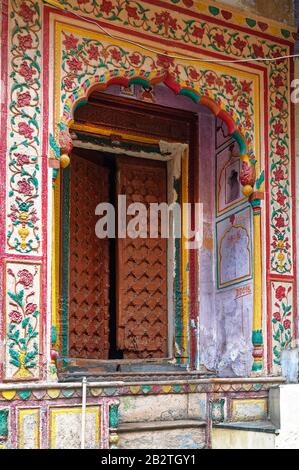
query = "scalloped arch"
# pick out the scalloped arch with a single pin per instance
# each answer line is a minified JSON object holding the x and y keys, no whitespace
{"x":146,"y":79}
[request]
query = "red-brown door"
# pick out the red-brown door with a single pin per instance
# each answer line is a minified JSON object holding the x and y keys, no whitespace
{"x":142,"y":266}
{"x":88,"y":262}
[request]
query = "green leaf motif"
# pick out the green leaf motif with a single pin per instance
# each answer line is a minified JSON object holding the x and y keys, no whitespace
{"x":18,"y":298}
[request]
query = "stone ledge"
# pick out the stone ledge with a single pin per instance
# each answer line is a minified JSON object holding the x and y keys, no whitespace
{"x":256,"y":426}
{"x":160,"y":425}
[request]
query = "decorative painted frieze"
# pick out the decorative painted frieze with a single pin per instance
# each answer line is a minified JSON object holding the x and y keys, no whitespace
{"x":162,"y":19}
{"x":24,"y":159}
{"x":194,"y":30}
{"x":87,"y":61}
{"x":22,"y":317}
{"x":282,"y":315}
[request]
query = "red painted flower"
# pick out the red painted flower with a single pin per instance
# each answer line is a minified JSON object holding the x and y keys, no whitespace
{"x":188,"y":3}
{"x":277,"y":316}
{"x":132,"y":12}
{"x":246,"y":86}
{"x":82,"y":2}
{"x":164,"y":61}
{"x":93,"y":52}
{"x":281,"y":199}
{"x":287,"y":324}
{"x":279,"y":174}
{"x":106,"y":6}
{"x":25,"y":130}
{"x":15,"y":316}
{"x":25,"y":42}
{"x":279,"y":222}
{"x":280,"y":293}
{"x":135,"y":59}
{"x":278,"y":104}
{"x":26,"y":278}
{"x":258,"y":51}
{"x":219,"y":38}
{"x":70,"y":42}
{"x":239,"y":44}
{"x":34,"y":219}
{"x":278,"y":128}
{"x":68,"y":83}
{"x":166,"y":20}
{"x":193,"y":74}
{"x":115,"y":54}
{"x":25,"y":187}
{"x":243,"y":104}
{"x":280,"y":150}
{"x":26,"y":13}
{"x":229,"y":86}
{"x":23,"y":99}
{"x":30,"y":308}
{"x":248,"y":123}
{"x":22,"y":159}
{"x":278,"y":81}
{"x":198,"y":32}
{"x":26,"y":71}
{"x":74,"y":64}
{"x":210,"y":79}
{"x":278,"y":54}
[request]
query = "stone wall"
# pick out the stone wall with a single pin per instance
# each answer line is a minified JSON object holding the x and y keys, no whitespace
{"x":279,"y":10}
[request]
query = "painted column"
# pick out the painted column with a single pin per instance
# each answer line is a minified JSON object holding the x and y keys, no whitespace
{"x":257,"y":334}
{"x":113,"y":425}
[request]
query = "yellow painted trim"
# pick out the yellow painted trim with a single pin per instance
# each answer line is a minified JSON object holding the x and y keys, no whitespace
{"x":259,"y":401}
{"x":185,"y":257}
{"x":257,"y":276}
{"x":22,"y":413}
{"x":69,"y":410}
{"x":9,"y":394}
{"x":56,"y":261}
{"x":113,"y":132}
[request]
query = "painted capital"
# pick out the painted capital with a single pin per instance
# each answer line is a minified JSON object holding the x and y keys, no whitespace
{"x":113,"y":415}
{"x":258,"y":350}
{"x":248,"y":175}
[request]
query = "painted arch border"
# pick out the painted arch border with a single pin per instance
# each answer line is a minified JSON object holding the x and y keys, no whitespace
{"x":63,"y":118}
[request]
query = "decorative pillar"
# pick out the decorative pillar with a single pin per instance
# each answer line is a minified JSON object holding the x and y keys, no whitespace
{"x":257,"y":334}
{"x":113,"y":425}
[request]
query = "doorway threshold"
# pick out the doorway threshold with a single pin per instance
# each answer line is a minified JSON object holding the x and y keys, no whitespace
{"x":126,"y":370}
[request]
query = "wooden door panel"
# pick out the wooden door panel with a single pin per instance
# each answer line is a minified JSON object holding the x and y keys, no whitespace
{"x":89,"y":262}
{"x":142,"y":267}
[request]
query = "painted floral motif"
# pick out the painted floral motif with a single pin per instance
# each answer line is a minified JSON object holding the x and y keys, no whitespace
{"x":22,"y":322}
{"x":230,"y":43}
{"x":23,"y":210}
{"x":95,"y":58}
{"x":281,"y":250}
{"x":142,"y":15}
{"x":281,"y":320}
{"x":23,"y":232}
{"x":84,"y":58}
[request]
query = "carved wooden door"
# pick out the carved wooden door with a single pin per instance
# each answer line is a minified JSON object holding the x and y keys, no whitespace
{"x":142,"y":266}
{"x":88,"y":262}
